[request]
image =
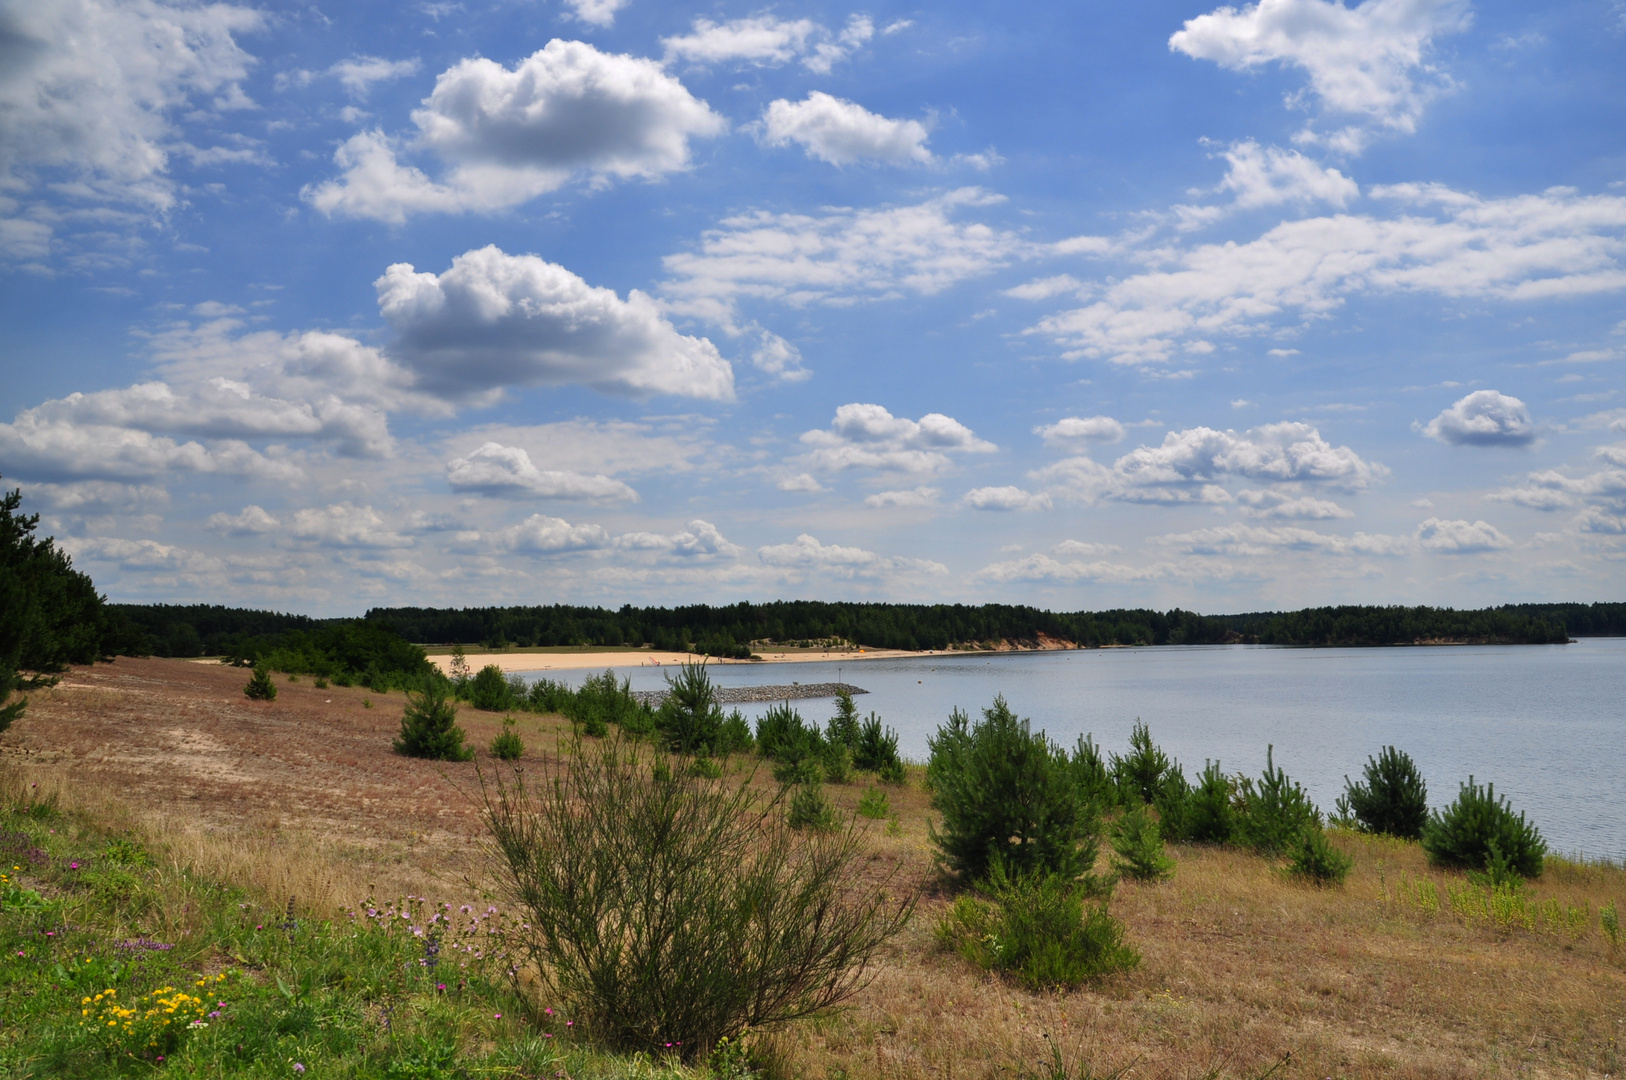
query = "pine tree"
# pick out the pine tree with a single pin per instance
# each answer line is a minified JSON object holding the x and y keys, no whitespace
{"x":429,"y":726}
{"x":260,"y":687}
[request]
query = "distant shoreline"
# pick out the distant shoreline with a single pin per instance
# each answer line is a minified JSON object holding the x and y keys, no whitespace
{"x":576,"y":661}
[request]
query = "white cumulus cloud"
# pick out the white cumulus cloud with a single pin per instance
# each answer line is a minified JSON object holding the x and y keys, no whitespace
{"x":1460,"y":537}
{"x":1484,"y":418}
{"x":700,"y":540}
{"x":346,"y":525}
{"x":540,"y":534}
{"x":250,"y":521}
{"x":911,"y":497}
{"x":843,"y":132}
{"x":1073,"y":430}
{"x":837,"y":256}
{"x":1368,"y":63}
{"x":508,"y":135}
{"x":768,"y":41}
{"x":496,"y":469}
{"x":1006,"y":498}
{"x":870,"y":437}
{"x":600,"y":13}
{"x":496,"y":319}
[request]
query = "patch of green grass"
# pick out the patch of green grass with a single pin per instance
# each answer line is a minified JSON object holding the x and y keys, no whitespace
{"x":112,"y":965}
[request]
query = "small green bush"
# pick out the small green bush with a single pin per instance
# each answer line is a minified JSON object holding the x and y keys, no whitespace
{"x":874,"y":804}
{"x":783,"y":736}
{"x":1480,"y":826}
{"x":1091,"y":776}
{"x":1274,"y":812}
{"x":1315,"y":859}
{"x":1036,"y":929}
{"x":320,"y":683}
{"x":1007,"y":794}
{"x":689,"y":715}
{"x":507,"y":745}
{"x":1391,"y":798}
{"x":1139,"y":773}
{"x":877,"y":750}
{"x":838,"y":763}
{"x":429,"y":726}
{"x":1174,"y":805}
{"x":1211,"y":817}
{"x":809,"y":809}
{"x":734,"y":734}
{"x":843,"y":726}
{"x":807,"y":770}
{"x":677,"y":910}
{"x":260,"y":686}
{"x":1137,"y":847}
{"x":1609,"y":920}
{"x":489,"y":690}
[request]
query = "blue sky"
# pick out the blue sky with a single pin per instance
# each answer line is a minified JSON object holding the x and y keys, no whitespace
{"x":325,"y":307}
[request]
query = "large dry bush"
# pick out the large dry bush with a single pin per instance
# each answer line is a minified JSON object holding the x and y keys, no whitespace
{"x":672,"y":909}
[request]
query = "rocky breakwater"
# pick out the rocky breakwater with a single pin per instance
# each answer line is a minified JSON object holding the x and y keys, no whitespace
{"x":741,"y":695}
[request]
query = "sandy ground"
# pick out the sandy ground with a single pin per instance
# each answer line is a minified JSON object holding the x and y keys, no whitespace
{"x":1242,"y":966}
{"x":574,"y":661}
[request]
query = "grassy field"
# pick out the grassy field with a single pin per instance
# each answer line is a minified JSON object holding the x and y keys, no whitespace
{"x":195,"y":815}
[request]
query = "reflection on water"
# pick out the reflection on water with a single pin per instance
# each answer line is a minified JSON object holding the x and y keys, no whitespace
{"x":1544,"y":723}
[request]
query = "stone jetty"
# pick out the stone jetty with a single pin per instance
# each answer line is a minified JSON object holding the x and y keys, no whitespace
{"x":740,"y":695}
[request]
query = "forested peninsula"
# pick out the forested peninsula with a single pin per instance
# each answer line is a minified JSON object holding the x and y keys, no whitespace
{"x":735,"y":630}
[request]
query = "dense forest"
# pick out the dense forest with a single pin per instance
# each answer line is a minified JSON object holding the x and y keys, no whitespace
{"x":733,"y":630}
{"x":717,"y":630}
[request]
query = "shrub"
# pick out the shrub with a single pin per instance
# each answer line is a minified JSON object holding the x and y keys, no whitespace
{"x":1479,"y":824}
{"x":320,"y":683}
{"x":874,"y":804}
{"x":1137,"y":846}
{"x":604,"y":700}
{"x":507,"y":745}
{"x":843,"y":726}
{"x":489,"y":691}
{"x":689,"y":715}
{"x":1090,"y":774}
{"x":1173,"y":803}
{"x":1609,"y":920}
{"x":1315,"y":859}
{"x":782,"y":736}
{"x":1274,"y":812}
{"x":677,"y":910}
{"x":809,"y":809}
{"x":1138,"y":773}
{"x":877,"y":750}
{"x":548,"y":696}
{"x":1036,"y":928}
{"x":429,"y":726}
{"x":1212,"y":819}
{"x":1391,"y":798}
{"x":838,"y":763}
{"x":1007,"y":794}
{"x":260,"y":687}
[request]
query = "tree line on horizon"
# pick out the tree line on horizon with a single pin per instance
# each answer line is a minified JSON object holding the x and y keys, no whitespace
{"x":732,"y":630}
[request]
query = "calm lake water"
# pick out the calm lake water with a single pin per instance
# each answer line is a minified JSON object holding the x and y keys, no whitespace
{"x":1546,"y":724}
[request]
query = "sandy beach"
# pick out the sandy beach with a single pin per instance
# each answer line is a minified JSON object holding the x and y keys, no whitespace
{"x":575,"y":661}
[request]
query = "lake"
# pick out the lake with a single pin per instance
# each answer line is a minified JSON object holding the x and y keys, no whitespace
{"x":1545,"y":724}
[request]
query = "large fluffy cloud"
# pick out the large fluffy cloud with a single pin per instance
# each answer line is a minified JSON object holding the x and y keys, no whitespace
{"x":843,"y":132}
{"x":508,"y":135}
{"x":838,"y":255}
{"x":1076,"y":430}
{"x":1367,"y":62}
{"x":1445,"y":243}
{"x":1461,"y":537}
{"x":1484,"y":418}
{"x":870,"y":437}
{"x":768,"y":41}
{"x":507,"y":470}
{"x":1193,"y":465}
{"x":496,"y":319}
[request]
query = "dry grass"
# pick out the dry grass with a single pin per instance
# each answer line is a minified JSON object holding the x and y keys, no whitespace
{"x":1242,"y":965}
